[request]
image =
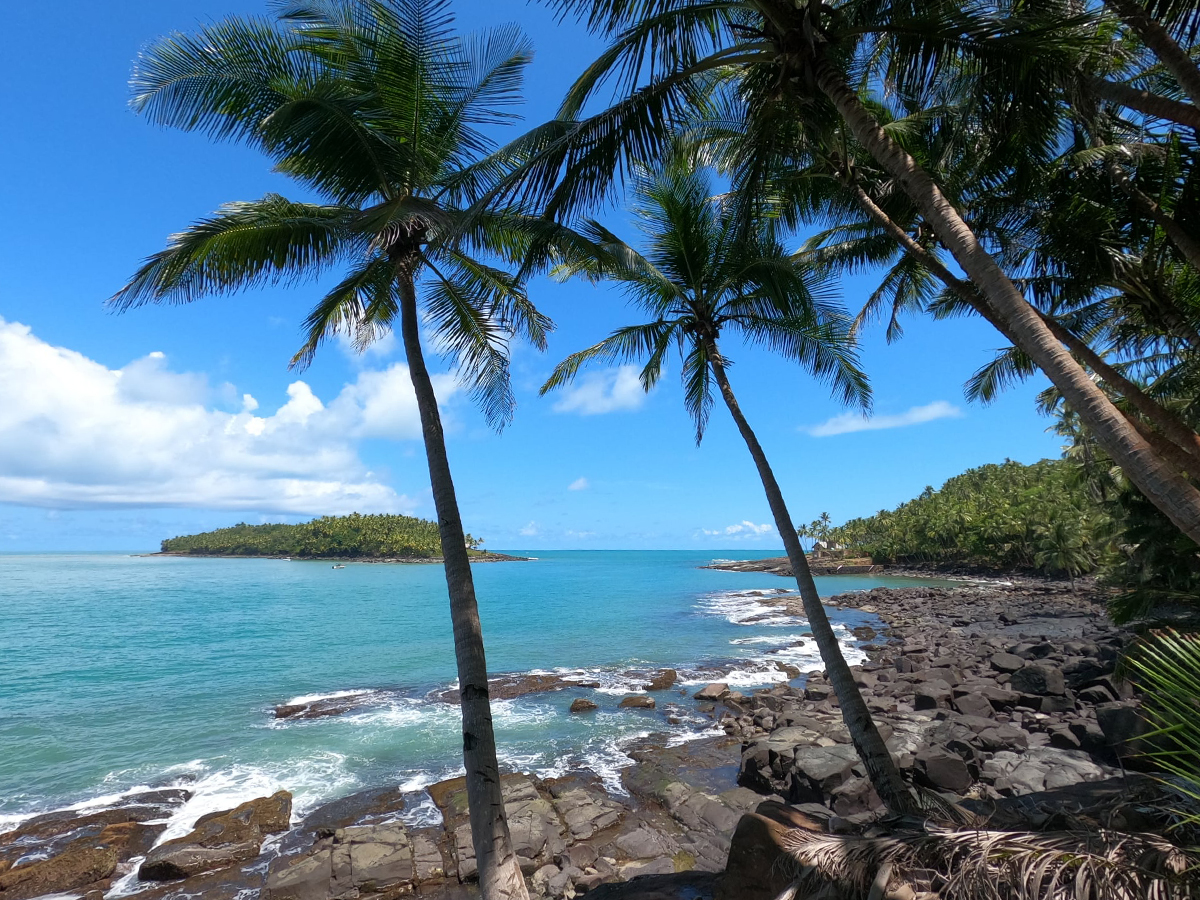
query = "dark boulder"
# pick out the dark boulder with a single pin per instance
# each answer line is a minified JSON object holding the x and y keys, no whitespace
{"x":1038,"y":678}
{"x":662,"y":681}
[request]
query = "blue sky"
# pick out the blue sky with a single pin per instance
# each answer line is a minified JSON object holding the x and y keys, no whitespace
{"x":117,"y":431}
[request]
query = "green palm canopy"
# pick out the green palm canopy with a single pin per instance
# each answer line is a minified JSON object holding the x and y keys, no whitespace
{"x":381,"y":110}
{"x":705,"y":273}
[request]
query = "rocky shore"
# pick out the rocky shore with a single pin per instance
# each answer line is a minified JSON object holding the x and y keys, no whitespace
{"x":1002,"y":698}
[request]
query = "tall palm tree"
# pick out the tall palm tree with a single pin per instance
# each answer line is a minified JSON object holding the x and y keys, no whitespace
{"x":1012,"y":57}
{"x":376,"y":106}
{"x":703,"y":275}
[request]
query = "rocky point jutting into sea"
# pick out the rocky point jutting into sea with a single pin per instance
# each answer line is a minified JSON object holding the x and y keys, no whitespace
{"x":1002,"y":697}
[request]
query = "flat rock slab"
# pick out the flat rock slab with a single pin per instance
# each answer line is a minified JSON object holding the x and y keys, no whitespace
{"x":219,"y":839}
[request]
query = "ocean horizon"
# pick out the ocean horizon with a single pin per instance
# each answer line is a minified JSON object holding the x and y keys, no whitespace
{"x":126,"y":672}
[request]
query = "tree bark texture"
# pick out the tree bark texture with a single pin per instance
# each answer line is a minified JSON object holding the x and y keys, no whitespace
{"x":500,"y":875}
{"x":1149,"y":104}
{"x":1159,"y":41}
{"x":1173,"y":428}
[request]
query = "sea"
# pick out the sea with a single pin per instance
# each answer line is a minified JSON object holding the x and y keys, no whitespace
{"x":121,"y":673}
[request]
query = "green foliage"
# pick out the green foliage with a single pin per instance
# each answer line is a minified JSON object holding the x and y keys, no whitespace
{"x":1004,"y":516}
{"x":351,"y":537}
{"x":1167,"y":664}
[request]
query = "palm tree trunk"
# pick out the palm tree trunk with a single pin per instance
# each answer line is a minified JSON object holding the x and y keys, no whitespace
{"x":1173,"y":57}
{"x":881,"y":768}
{"x":1155,"y":105}
{"x":1153,"y":476}
{"x":499,"y":873}
{"x":1174,"y":428}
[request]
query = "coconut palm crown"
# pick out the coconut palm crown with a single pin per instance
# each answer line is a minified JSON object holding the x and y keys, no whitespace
{"x":381,"y":110}
{"x":703,"y":275}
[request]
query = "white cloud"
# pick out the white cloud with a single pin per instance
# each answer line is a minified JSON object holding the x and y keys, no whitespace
{"x":530,"y":530}
{"x":579,"y":484}
{"x":603,"y":392}
{"x":380,"y":348}
{"x":742,"y":530}
{"x":850,"y":422}
{"x":76,"y":434}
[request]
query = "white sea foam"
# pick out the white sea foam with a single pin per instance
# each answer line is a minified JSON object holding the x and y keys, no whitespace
{"x":332,"y":695}
{"x":311,"y":780}
{"x":775,"y":639}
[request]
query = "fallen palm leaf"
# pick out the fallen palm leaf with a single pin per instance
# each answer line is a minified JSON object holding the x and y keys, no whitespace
{"x":1000,"y":865}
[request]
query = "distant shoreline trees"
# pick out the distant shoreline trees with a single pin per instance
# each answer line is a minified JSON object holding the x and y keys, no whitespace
{"x":354,"y":536}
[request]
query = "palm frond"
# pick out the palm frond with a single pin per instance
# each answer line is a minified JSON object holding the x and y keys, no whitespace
{"x":244,"y":244}
{"x":1000,"y":865}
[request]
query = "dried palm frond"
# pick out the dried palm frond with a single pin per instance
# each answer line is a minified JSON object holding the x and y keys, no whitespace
{"x":1001,"y":865}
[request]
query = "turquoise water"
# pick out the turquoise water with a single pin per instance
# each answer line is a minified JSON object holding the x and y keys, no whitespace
{"x":120,"y":672}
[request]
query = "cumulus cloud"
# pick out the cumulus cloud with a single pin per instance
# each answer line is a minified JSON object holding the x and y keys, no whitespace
{"x":603,"y":392}
{"x":743,"y":529}
{"x":530,"y":530}
{"x":579,"y":484}
{"x":76,"y":434}
{"x":850,"y":422}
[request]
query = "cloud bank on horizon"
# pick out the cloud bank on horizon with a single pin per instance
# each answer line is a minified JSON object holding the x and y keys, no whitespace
{"x":849,"y":422}
{"x":79,"y":435}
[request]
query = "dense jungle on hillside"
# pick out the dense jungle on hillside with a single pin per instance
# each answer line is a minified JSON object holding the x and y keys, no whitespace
{"x":350,"y":537}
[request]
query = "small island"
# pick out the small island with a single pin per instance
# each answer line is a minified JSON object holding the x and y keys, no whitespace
{"x":366,"y":538}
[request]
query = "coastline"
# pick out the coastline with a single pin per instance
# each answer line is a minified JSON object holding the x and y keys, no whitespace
{"x":483,"y":557}
{"x":939,"y":672}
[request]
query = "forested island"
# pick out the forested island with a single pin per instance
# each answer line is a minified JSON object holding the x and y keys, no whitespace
{"x":355,"y":536}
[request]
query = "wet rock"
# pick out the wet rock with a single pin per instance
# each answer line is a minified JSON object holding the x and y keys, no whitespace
{"x":520,"y":684}
{"x":664,"y":680}
{"x":714,"y":691}
{"x":358,"y":808}
{"x":637,"y":701}
{"x":1038,"y":678}
{"x":325,"y":706}
{"x":582,"y":704}
{"x":219,"y":840}
{"x":82,"y":863}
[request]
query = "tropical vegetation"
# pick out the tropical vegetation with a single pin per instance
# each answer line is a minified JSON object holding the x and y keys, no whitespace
{"x":703,"y":279}
{"x":1008,"y":517}
{"x":345,"y":537}
{"x":1035,"y":165}
{"x":976,"y":137}
{"x":381,"y":110}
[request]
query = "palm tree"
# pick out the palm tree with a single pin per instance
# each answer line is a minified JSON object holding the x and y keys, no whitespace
{"x":1012,"y":57}
{"x":376,"y":106}
{"x":703,"y":275}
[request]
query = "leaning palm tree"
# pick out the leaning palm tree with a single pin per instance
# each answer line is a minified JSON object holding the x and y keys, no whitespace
{"x":705,"y":273}
{"x":376,"y":106}
{"x":851,"y":58}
